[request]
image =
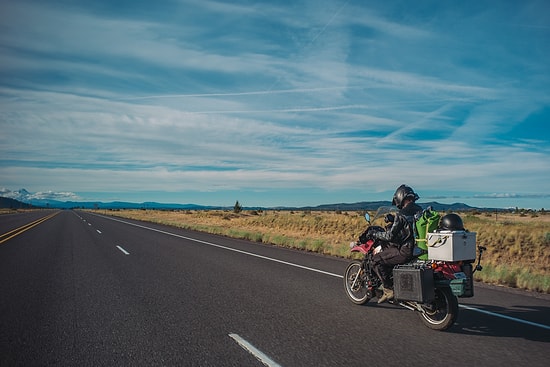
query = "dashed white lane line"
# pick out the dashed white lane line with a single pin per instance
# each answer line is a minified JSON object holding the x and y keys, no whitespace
{"x":123,"y":250}
{"x":254,"y":351}
{"x":98,"y":231}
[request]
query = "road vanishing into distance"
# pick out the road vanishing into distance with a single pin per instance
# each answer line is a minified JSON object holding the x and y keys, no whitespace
{"x":82,"y":289}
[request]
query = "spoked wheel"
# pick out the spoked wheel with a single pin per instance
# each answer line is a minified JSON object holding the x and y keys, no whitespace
{"x":354,"y":283}
{"x":441,"y":314}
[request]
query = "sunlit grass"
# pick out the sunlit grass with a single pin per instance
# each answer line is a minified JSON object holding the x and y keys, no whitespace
{"x":514,"y":276}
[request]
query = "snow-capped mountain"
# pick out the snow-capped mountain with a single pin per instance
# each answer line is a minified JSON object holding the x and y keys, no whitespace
{"x":38,"y":197}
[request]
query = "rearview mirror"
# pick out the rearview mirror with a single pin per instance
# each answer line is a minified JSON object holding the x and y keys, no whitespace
{"x":367,"y":217}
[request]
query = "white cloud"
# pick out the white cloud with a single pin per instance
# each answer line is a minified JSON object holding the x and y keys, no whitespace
{"x":316,"y":94}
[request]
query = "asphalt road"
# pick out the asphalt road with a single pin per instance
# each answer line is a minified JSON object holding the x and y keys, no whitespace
{"x":80,"y":289}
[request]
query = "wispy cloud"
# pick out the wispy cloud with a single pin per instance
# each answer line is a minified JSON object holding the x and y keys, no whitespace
{"x":512,"y":195}
{"x":334,"y":96}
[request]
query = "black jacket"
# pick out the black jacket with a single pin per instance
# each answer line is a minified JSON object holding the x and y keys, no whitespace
{"x":401,"y":232}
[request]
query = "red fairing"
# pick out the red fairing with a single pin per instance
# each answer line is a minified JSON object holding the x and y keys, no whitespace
{"x":364,"y":247}
{"x":449,"y":270}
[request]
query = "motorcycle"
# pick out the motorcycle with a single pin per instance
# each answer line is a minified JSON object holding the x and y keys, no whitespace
{"x":429,"y":287}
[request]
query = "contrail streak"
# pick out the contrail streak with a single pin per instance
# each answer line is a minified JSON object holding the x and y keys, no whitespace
{"x":326,"y":108}
{"x":298,"y":109}
{"x":281,"y":91}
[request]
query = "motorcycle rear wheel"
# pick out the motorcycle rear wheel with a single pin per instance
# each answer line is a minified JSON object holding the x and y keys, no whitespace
{"x":354,"y":283}
{"x":442,"y":312}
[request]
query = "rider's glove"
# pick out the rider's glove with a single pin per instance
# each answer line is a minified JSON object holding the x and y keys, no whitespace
{"x":364,"y":237}
{"x":389,"y":218}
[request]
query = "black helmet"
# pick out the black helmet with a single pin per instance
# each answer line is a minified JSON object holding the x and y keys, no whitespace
{"x":451,"y":222}
{"x":401,"y":193}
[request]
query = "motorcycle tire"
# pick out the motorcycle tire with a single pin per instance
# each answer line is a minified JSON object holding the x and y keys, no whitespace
{"x":441,"y":314}
{"x":354,"y":283}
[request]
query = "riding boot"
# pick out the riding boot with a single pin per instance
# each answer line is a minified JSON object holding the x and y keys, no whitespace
{"x":388,"y":294}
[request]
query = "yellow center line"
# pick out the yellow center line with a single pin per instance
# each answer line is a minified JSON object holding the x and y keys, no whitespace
{"x":11,"y":234}
{"x":20,"y":228}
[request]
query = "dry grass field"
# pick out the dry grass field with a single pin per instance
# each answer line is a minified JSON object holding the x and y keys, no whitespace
{"x":518,"y":246}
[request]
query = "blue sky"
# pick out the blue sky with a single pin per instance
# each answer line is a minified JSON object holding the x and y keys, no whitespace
{"x":276,"y":102}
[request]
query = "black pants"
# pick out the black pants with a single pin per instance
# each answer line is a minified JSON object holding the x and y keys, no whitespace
{"x":385,"y":260}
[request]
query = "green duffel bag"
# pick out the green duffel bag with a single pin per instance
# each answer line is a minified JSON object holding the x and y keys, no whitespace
{"x":427,"y":223}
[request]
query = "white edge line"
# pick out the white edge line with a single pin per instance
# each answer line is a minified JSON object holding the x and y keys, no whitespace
{"x":505,"y":317}
{"x":123,"y":250}
{"x":254,"y":351}
{"x":228,"y":248}
{"x":311,"y":269}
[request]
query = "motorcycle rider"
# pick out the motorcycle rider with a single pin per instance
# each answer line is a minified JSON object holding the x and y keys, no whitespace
{"x":399,"y":238}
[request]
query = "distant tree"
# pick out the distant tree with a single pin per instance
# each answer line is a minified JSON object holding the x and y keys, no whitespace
{"x":237,"y":208}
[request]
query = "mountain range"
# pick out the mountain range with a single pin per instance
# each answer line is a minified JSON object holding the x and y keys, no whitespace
{"x":24,"y":199}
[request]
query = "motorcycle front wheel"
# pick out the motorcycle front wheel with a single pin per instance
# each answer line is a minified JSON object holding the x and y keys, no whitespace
{"x":354,"y":283}
{"x":441,"y":314}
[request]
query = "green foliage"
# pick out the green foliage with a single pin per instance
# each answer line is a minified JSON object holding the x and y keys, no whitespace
{"x":237,"y":208}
